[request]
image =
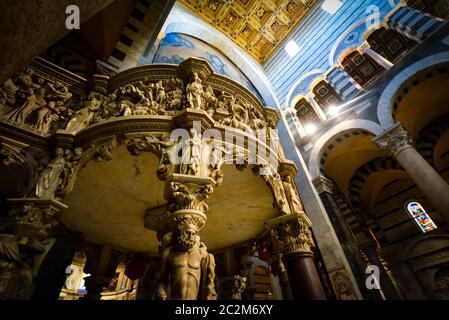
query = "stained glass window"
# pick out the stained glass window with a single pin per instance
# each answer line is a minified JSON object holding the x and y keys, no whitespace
{"x":421,"y":217}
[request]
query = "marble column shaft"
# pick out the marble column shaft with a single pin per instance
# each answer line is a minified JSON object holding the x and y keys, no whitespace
{"x":304,"y":279}
{"x":398,"y":143}
{"x":292,"y":238}
{"x":325,"y":187}
{"x":381,"y":60}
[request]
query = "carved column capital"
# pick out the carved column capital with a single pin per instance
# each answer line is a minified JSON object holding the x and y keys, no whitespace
{"x":323,"y":184}
{"x":185,"y":192}
{"x":35,"y":218}
{"x":186,"y":197}
{"x":290,"y":234}
{"x":287,"y":168}
{"x":394,"y":141}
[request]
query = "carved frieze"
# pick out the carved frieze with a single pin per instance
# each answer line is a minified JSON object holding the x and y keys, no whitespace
{"x":35,"y":103}
{"x":43,"y":106}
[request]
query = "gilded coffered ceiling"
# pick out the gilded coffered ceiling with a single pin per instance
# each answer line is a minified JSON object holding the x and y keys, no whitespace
{"x":257,"y":26}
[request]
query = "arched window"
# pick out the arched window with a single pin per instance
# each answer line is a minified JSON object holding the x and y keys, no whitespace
{"x":420,"y":216}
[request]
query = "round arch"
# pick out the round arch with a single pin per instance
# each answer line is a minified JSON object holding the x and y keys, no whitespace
{"x":358,"y":30}
{"x":386,"y":101}
{"x":290,"y":99}
{"x":355,"y":124}
{"x":365,"y":182}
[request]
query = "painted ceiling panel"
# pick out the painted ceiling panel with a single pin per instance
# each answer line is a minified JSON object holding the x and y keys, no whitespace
{"x":257,"y":26}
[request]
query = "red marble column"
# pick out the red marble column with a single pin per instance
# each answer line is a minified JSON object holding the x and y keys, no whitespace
{"x":291,"y":238}
{"x":305,"y":282}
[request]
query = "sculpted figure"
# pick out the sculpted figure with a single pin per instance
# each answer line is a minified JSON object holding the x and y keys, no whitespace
{"x":257,"y":121}
{"x":292,"y":195}
{"x":141,"y":110}
{"x":58,"y":90}
{"x":16,"y":278}
{"x":25,"y":82}
{"x":131,"y":95}
{"x":141,"y":97}
{"x":211,"y":100}
{"x":73,"y":281}
{"x":217,"y":156}
{"x":238,"y":288}
{"x":8,"y":94}
{"x":140,"y":84}
{"x":74,"y":161}
{"x":45,"y":116}
{"x":84,"y":116}
{"x":187,"y":268}
{"x":175,"y":97}
{"x":225,"y":101}
{"x":195,"y":92}
{"x":50,"y":177}
{"x":239,"y":117}
{"x":126,"y":108}
{"x":279,"y":192}
{"x":150,"y":91}
{"x":147,"y":88}
{"x":110,"y":106}
{"x":275,"y":142}
{"x":160,"y":92}
{"x":25,"y":77}
{"x":33,"y":102}
{"x":215,"y":162}
{"x":191,"y":159}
